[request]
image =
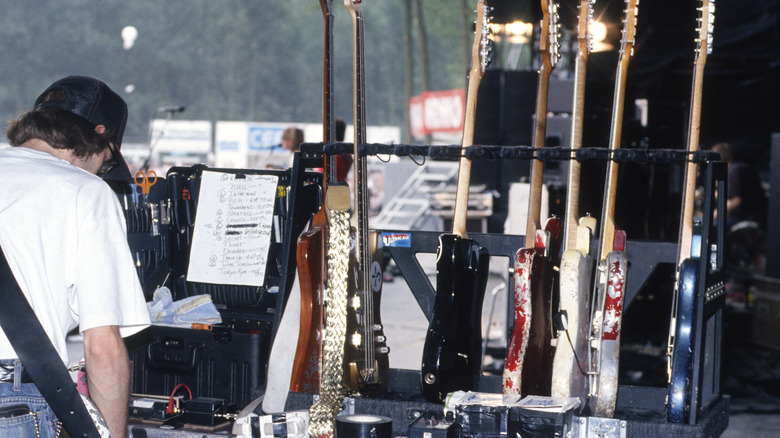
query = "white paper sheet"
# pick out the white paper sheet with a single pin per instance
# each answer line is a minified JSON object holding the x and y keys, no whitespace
{"x":232,"y":231}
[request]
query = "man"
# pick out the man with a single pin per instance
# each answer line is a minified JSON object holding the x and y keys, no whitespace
{"x":746,"y":200}
{"x":63,"y":233}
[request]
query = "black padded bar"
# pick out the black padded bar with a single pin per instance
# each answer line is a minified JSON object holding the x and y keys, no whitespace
{"x":488,"y":152}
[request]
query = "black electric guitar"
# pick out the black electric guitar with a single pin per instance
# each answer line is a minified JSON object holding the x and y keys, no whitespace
{"x":452,"y":353}
{"x":366,"y":365}
{"x":683,"y":324}
{"x":576,"y":270}
{"x":311,"y":259}
{"x":529,"y":357}
{"x":607,"y":313}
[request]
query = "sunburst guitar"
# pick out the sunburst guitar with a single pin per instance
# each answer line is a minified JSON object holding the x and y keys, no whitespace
{"x":311,"y":259}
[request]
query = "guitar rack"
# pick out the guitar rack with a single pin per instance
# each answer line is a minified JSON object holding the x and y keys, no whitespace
{"x":642,"y":409}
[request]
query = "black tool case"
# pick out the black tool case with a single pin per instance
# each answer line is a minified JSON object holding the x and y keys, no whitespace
{"x":227,"y":360}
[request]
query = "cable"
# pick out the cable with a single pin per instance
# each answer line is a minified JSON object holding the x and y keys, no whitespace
{"x":170,"y":410}
{"x":561,"y":323}
{"x":575,"y":353}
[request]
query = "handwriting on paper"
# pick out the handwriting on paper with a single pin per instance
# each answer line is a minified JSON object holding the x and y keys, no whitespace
{"x":232,"y":230}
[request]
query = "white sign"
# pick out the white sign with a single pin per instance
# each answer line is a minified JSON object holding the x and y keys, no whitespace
{"x":184,"y":136}
{"x":232,"y":230}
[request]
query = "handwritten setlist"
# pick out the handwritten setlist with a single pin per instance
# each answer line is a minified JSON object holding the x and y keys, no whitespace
{"x":232,"y":230}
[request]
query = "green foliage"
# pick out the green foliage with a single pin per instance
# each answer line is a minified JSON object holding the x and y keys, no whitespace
{"x":257,"y":60}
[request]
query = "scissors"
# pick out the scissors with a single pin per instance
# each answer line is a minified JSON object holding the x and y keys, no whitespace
{"x":146,"y":182}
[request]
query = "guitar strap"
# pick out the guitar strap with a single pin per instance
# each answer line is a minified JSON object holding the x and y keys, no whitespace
{"x":324,"y":411}
{"x":39,"y":357}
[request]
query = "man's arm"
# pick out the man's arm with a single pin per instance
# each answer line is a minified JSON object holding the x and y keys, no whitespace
{"x":108,"y":373}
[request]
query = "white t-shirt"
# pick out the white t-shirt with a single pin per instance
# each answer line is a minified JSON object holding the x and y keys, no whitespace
{"x":64,"y":235}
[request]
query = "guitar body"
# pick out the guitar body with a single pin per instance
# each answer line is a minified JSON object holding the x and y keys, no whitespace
{"x":575,"y":285}
{"x":96,"y":416}
{"x":312,"y":266}
{"x":528,"y":366}
{"x":366,"y":363}
{"x":607,"y":322}
{"x":682,"y":359}
{"x":452,"y":353}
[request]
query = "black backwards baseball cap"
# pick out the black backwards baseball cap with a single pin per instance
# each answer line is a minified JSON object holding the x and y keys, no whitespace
{"x":94,"y":101}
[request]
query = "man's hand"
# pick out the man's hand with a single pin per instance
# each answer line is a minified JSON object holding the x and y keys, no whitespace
{"x":108,"y":373}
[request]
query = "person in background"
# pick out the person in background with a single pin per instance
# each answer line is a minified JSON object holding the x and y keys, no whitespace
{"x":292,"y":138}
{"x":746,"y":199}
{"x":63,"y":233}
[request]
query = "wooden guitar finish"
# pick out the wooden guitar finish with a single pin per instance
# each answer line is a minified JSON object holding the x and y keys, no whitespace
{"x":528,"y":365}
{"x":310,"y":252}
{"x":366,"y":365}
{"x":576,"y":268}
{"x":452,"y":353}
{"x":606,"y":319}
{"x":684,"y":304}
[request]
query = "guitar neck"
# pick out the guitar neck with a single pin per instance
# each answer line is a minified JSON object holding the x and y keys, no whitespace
{"x":547,"y":44}
{"x":694,"y":124}
{"x":533,"y":222}
{"x":480,"y":52}
{"x":328,"y":105}
{"x":580,"y":76}
{"x":360,"y":179}
{"x":464,"y":170}
{"x":607,"y":233}
{"x":573,"y":186}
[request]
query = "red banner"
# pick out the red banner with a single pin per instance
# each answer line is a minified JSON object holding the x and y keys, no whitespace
{"x":437,"y":111}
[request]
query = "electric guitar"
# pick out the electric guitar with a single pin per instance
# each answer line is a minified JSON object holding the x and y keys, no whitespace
{"x":452,"y":352}
{"x":366,"y":365}
{"x":311,"y":259}
{"x":683,"y":324}
{"x":607,"y":312}
{"x":569,"y":367}
{"x":528,"y":365}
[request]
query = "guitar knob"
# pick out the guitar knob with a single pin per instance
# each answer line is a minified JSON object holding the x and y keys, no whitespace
{"x":381,"y":338}
{"x":384,"y":350}
{"x":430,"y":379}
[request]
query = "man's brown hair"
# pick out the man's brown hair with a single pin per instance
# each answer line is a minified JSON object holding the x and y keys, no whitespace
{"x":60,"y":129}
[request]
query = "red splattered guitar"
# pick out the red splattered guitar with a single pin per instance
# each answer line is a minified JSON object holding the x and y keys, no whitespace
{"x":607,"y":313}
{"x":528,"y":366}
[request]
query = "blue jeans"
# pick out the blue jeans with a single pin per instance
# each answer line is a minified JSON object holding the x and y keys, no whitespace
{"x":23,"y":426}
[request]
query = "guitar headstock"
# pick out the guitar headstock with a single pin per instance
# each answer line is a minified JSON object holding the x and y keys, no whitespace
{"x":482,"y":50}
{"x":584,"y":33}
{"x":353,"y":6}
{"x":629,"y":27}
{"x":551,"y":31}
{"x":706,"y":27}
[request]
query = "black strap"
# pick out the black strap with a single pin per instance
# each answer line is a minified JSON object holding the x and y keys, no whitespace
{"x":40,"y":358}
